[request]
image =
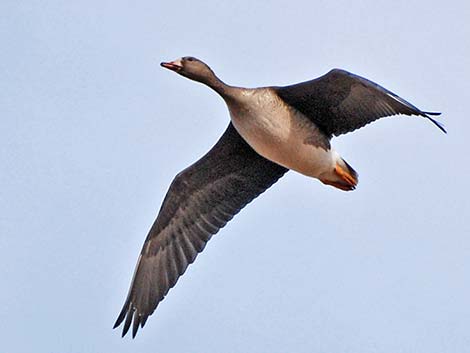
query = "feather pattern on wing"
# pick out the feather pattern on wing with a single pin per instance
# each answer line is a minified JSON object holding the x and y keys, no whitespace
{"x":340,"y":102}
{"x":201,"y":200}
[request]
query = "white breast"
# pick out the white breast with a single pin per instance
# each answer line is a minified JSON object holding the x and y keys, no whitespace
{"x":279,"y":133}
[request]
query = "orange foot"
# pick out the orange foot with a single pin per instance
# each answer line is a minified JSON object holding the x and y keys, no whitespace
{"x":346,"y":175}
{"x":347,"y":182}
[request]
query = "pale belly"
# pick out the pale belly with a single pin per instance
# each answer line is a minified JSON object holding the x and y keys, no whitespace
{"x":284,"y":136}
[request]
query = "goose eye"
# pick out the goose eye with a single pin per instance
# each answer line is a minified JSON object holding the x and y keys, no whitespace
{"x":190,"y":59}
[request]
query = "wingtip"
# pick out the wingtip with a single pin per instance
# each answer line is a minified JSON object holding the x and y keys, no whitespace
{"x":437,"y":123}
{"x":432,"y":113}
{"x":124,"y":330}
{"x":121,"y":317}
{"x":135,"y":325}
{"x":127,"y":325}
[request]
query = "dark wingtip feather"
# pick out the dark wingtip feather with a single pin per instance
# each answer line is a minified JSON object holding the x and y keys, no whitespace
{"x":127,"y":323}
{"x":143,"y":320}
{"x":432,"y":113}
{"x":121,"y":317}
{"x":435,"y":122}
{"x":135,"y":325}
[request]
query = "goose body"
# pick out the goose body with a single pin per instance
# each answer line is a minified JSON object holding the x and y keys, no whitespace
{"x":281,"y":133}
{"x":272,"y":130}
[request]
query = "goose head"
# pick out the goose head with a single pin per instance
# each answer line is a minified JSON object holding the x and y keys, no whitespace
{"x":191,"y":68}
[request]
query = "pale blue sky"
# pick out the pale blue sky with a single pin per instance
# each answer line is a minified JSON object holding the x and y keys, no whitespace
{"x":93,"y":131}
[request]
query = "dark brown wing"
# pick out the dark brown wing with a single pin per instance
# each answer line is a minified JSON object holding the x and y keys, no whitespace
{"x":340,"y":102}
{"x":200,"y":201}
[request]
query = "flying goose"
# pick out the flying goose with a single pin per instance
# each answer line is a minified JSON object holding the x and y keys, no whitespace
{"x":272,"y":130}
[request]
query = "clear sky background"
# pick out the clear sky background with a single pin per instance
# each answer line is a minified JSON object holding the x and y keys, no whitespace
{"x":93,"y":131}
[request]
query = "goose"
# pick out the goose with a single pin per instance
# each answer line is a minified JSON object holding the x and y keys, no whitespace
{"x":272,"y":129}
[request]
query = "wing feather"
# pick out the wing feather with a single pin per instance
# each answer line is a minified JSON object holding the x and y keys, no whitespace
{"x":201,"y":200}
{"x":340,"y":102}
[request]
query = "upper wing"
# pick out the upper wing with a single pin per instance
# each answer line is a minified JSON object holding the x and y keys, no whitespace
{"x":340,"y":102}
{"x":200,"y":201}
